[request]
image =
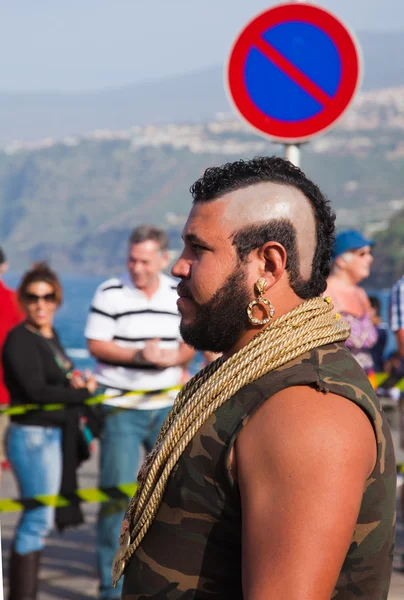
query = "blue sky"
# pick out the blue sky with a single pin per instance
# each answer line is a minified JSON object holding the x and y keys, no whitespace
{"x":77,"y":45}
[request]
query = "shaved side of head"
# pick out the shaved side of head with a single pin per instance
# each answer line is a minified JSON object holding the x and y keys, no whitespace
{"x":267,"y":203}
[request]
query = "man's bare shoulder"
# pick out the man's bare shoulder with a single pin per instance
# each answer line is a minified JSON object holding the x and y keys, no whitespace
{"x":302,"y":426}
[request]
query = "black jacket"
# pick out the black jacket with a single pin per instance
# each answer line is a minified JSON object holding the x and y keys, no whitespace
{"x":32,"y":376}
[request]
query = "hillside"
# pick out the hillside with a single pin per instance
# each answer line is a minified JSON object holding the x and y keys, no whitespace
{"x":193,"y":97}
{"x":76,"y":200}
{"x":388,"y":265}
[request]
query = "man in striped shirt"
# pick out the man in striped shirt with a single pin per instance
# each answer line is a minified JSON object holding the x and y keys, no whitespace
{"x":133,"y":332}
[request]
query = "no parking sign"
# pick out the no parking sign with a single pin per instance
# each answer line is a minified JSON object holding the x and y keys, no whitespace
{"x":293,"y":71}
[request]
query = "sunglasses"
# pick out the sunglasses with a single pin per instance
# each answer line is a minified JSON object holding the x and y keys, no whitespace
{"x":34,"y":299}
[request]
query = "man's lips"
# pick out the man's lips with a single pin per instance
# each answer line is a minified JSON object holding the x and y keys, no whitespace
{"x":183,"y":302}
{"x":184,"y":296}
{"x":183,"y":293}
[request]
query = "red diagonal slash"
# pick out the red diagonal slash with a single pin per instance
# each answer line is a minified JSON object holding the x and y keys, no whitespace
{"x":293,"y":72}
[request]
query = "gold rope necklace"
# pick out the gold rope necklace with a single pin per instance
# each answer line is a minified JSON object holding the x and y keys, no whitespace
{"x":310,"y":325}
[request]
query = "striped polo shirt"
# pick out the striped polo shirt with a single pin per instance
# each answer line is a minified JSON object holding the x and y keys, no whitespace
{"x":122,"y":313}
{"x":397,"y":306}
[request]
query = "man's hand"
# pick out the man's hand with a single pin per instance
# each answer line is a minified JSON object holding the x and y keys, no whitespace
{"x":151,"y":354}
{"x":159,"y":357}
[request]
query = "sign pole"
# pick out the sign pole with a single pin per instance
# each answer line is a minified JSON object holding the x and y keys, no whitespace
{"x":292,"y":151}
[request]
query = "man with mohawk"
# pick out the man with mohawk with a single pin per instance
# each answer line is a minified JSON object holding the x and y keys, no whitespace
{"x":273,"y":478}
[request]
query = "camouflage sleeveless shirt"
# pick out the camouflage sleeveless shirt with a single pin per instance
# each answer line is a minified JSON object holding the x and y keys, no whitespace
{"x":192,"y":550}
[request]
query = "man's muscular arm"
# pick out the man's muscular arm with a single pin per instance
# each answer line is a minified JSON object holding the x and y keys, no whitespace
{"x":301,"y":463}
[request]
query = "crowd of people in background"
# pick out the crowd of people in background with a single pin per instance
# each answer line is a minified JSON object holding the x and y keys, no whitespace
{"x":133,"y":333}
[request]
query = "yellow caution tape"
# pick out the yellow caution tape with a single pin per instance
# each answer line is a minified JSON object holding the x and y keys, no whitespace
{"x":378,"y":379}
{"x":123,"y":491}
{"x":120,"y":492}
{"x":24,"y":408}
{"x":400,"y":385}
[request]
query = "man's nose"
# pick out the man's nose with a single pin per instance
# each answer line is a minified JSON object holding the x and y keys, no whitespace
{"x":181,"y":268}
{"x":137,"y":268}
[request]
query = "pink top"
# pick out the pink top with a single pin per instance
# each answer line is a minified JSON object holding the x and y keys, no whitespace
{"x":362,"y":339}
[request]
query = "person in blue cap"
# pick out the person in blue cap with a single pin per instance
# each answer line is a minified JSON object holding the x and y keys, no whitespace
{"x":352,"y":259}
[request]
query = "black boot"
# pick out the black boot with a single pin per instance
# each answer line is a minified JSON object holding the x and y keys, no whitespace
{"x":23,"y":575}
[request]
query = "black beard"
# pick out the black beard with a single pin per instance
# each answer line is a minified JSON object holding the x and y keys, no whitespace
{"x":219,"y":323}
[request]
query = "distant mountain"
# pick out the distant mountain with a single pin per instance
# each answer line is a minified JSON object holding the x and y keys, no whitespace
{"x":192,"y":97}
{"x":75,"y":203}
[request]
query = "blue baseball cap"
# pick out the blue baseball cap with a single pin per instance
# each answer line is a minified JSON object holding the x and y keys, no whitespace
{"x":347,"y":240}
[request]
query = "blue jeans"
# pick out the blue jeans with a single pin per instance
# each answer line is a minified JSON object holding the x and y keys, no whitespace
{"x":125,"y":432}
{"x":35,"y":453}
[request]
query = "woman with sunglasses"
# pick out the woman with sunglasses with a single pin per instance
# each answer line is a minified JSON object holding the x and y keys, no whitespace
{"x":351,"y":262}
{"x":43,"y":447}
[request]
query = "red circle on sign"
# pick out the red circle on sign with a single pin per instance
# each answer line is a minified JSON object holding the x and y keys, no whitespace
{"x":298,"y":131}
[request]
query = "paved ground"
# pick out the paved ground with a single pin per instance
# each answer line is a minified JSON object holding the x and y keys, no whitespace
{"x":68,"y":568}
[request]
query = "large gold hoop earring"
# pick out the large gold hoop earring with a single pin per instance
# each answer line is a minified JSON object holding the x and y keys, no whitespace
{"x":260,"y":287}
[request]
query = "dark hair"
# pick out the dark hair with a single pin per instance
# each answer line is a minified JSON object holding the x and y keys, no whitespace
{"x":218,"y":181}
{"x":375,"y":303}
{"x":143,"y":233}
{"x":40,"y":272}
{"x":3,"y":257}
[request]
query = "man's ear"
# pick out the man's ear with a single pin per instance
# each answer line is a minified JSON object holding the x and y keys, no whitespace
{"x":274,"y":257}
